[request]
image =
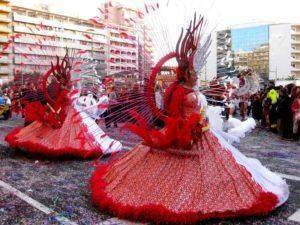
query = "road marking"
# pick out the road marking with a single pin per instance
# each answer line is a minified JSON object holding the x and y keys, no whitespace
{"x":7,"y":126}
{"x":295,"y":216}
{"x":116,"y":221}
{"x":289,"y":177}
{"x":63,"y":220}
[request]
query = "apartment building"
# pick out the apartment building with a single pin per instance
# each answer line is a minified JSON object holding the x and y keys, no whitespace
{"x":56,"y":33}
{"x":271,"y":50}
{"x":129,"y":41}
{"x":5,"y":32}
{"x":119,"y":45}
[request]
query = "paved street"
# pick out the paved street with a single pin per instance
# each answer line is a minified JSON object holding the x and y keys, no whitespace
{"x":61,"y":186}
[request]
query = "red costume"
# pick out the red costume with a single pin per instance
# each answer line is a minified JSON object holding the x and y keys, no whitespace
{"x":57,"y":128}
{"x":184,"y":173}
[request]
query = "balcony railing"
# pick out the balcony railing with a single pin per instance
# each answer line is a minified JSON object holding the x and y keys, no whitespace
{"x":45,"y":52}
{"x":60,"y":44}
{"x":4,"y":19}
{"x":295,"y":50}
{"x":123,"y":40}
{"x":5,"y":29}
{"x":34,"y":63}
{"x":5,"y":70}
{"x":295,"y":69}
{"x":123,"y":64}
{"x":3,"y":39}
{"x":53,"y":23}
{"x":124,"y":49}
{"x":5,"y":60}
{"x":5,"y":9}
{"x":7,"y":50}
{"x":59,"y":34}
{"x":295,"y":41}
{"x":122,"y":56}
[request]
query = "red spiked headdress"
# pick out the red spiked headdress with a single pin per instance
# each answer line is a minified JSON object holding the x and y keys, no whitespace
{"x":186,"y":48}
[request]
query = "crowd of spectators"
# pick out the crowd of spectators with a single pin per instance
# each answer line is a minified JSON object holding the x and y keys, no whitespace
{"x":278,"y":110}
{"x":16,"y":97}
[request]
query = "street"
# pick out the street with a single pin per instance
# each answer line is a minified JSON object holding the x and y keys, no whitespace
{"x":59,"y":193}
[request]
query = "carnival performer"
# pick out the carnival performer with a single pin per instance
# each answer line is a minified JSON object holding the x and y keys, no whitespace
{"x":232,"y":129}
{"x":185,"y":172}
{"x":58,"y":128}
{"x":247,"y":85}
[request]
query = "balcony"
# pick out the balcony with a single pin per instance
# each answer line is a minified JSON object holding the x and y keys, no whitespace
{"x":53,"y":23}
{"x":61,"y":34}
{"x":123,"y":64}
{"x":123,"y":40}
{"x":35,"y":62}
{"x":5,"y":9}
{"x":3,"y":39}
{"x":295,"y":41}
{"x":295,"y":29}
{"x":59,"y":44}
{"x":4,"y":19}
{"x":5,"y":29}
{"x":296,"y":50}
{"x":122,"y":56}
{"x":125,"y":49}
{"x":5,"y":60}
{"x":295,"y":60}
{"x":5,"y":70}
{"x":7,"y":50}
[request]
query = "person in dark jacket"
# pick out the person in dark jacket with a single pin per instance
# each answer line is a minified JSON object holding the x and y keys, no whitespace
{"x":285,"y":114}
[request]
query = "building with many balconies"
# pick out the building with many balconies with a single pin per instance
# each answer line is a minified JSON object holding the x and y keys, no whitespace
{"x":130,"y":45}
{"x":5,"y":31}
{"x":120,"y":44}
{"x":271,"y":50}
{"x":57,"y":32}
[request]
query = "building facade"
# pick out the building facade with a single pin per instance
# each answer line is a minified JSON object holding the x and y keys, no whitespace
{"x":271,"y":50}
{"x":57,"y":33}
{"x":225,"y":65}
{"x":119,"y":43}
{"x":129,"y":41}
{"x":5,"y":32}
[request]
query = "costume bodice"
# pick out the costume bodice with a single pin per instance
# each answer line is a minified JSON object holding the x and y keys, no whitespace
{"x":190,"y":104}
{"x":184,"y":101}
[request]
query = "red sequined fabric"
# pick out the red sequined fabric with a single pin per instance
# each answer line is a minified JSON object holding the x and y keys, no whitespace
{"x":179,"y":186}
{"x":71,"y":139}
{"x":173,"y":184}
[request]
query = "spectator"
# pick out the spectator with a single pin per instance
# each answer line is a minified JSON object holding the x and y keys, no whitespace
{"x":266,"y":104}
{"x":296,"y":114}
{"x":257,"y":107}
{"x":273,"y":96}
{"x":285,"y":117}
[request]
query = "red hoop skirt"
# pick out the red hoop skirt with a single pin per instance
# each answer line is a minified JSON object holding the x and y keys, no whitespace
{"x":72,"y":139}
{"x":182,"y":186}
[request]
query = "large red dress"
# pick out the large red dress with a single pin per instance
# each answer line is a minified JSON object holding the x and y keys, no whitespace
{"x":209,"y":180}
{"x":67,"y":133}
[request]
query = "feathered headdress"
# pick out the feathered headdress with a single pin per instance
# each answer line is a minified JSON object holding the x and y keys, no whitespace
{"x":187,"y":48}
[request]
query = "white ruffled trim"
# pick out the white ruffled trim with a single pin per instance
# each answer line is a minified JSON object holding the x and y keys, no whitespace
{"x":269,"y":181}
{"x":107,"y":144}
